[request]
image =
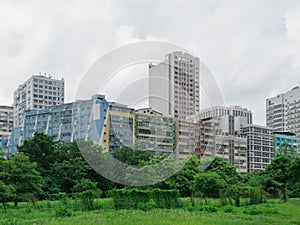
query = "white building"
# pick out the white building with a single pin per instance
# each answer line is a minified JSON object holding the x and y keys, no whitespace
{"x":6,"y":119}
{"x":260,"y":146}
{"x":230,"y":119}
{"x":283,"y":112}
{"x":37,"y":92}
{"x":216,"y":142}
{"x":174,"y":85}
{"x":243,"y":114}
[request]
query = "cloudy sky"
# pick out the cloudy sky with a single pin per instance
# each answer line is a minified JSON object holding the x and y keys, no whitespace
{"x":251,"y":47}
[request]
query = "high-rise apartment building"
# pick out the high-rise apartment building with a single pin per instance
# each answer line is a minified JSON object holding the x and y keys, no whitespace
{"x":6,"y":119}
{"x":37,"y":93}
{"x":110,"y":124}
{"x":174,"y":85}
{"x":188,"y":139}
{"x":283,"y":112}
{"x":215,"y":142}
{"x":260,"y":147}
{"x":155,"y":132}
{"x":242,"y":115}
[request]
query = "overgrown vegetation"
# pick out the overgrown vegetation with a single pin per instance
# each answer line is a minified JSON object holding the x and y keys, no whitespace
{"x":57,"y":173}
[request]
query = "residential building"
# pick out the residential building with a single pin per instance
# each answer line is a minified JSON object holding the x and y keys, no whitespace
{"x":188,"y":139}
{"x":82,"y":119}
{"x":119,"y":127}
{"x":155,"y":132}
{"x":6,"y":119}
{"x":242,"y":116}
{"x":174,"y":85}
{"x":285,"y":144}
{"x":38,"y":92}
{"x":260,"y":149}
{"x":283,"y":112}
{"x":113,"y":125}
{"x":216,"y":142}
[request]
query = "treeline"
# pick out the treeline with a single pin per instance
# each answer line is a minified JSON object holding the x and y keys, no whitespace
{"x":45,"y":169}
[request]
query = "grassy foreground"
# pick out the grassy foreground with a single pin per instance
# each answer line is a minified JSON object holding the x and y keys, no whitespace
{"x":46,"y":213}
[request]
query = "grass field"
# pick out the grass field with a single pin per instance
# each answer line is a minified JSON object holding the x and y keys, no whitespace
{"x":46,"y":213}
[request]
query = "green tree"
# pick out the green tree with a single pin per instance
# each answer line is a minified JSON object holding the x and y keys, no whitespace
{"x":7,"y":193}
{"x":225,"y":170}
{"x":132,"y":156}
{"x":183,"y":180}
{"x":209,"y":184}
{"x":294,"y":175}
{"x":6,"y":190}
{"x":42,"y":150}
{"x":278,"y":176}
{"x":23,"y":176}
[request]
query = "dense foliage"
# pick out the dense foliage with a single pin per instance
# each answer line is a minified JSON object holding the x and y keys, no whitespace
{"x":45,"y":168}
{"x":139,"y":199}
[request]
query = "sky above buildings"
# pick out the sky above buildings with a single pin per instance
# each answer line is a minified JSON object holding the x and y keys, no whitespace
{"x":251,"y":47}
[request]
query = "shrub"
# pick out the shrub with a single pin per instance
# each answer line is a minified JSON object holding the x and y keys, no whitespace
{"x":166,"y":198}
{"x":228,"y":209}
{"x":63,"y":211}
{"x":146,"y":206}
{"x":131,"y":198}
{"x":255,"y":196}
{"x":87,"y":199}
{"x":223,"y":198}
{"x":208,"y":208}
{"x":257,"y":210}
{"x":60,"y":196}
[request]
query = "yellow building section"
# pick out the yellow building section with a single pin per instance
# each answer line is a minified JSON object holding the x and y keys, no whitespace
{"x":158,"y":128}
{"x":121,"y":116}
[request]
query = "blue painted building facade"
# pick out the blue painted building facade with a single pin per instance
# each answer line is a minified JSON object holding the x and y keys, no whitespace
{"x":83,"y":119}
{"x":285,"y":144}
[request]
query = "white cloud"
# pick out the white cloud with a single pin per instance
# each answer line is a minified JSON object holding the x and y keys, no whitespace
{"x":253,"y":47}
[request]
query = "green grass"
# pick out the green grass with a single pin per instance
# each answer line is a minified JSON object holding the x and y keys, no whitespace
{"x":272,"y":212}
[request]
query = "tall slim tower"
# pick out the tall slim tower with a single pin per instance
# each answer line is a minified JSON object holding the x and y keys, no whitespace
{"x":174,"y":85}
{"x":283,"y":112}
{"x":37,"y":92}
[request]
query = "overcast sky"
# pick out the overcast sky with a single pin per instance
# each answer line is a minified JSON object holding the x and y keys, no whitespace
{"x":252,"y":47}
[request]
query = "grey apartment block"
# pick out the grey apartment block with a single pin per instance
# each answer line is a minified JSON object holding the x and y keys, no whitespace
{"x":283,"y":112}
{"x":174,"y":85}
{"x":260,"y":147}
{"x":6,"y":119}
{"x":37,"y":93}
{"x":243,"y":115}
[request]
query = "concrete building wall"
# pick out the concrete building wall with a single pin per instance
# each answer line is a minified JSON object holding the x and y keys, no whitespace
{"x":259,"y":146}
{"x":37,"y":92}
{"x":215,"y":142}
{"x":174,"y":85}
{"x":6,"y":119}
{"x":285,"y":144}
{"x":155,"y":133}
{"x":283,"y":112}
{"x":188,"y":139}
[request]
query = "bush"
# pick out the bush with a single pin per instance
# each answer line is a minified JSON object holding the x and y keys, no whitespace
{"x":166,"y":198}
{"x":63,"y":211}
{"x":84,"y":185}
{"x":228,"y":209}
{"x":60,"y":196}
{"x":208,"y":208}
{"x":132,"y":198}
{"x":257,"y":210}
{"x":87,"y":199}
{"x":223,"y":198}
{"x":255,"y":196}
{"x":146,"y":206}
